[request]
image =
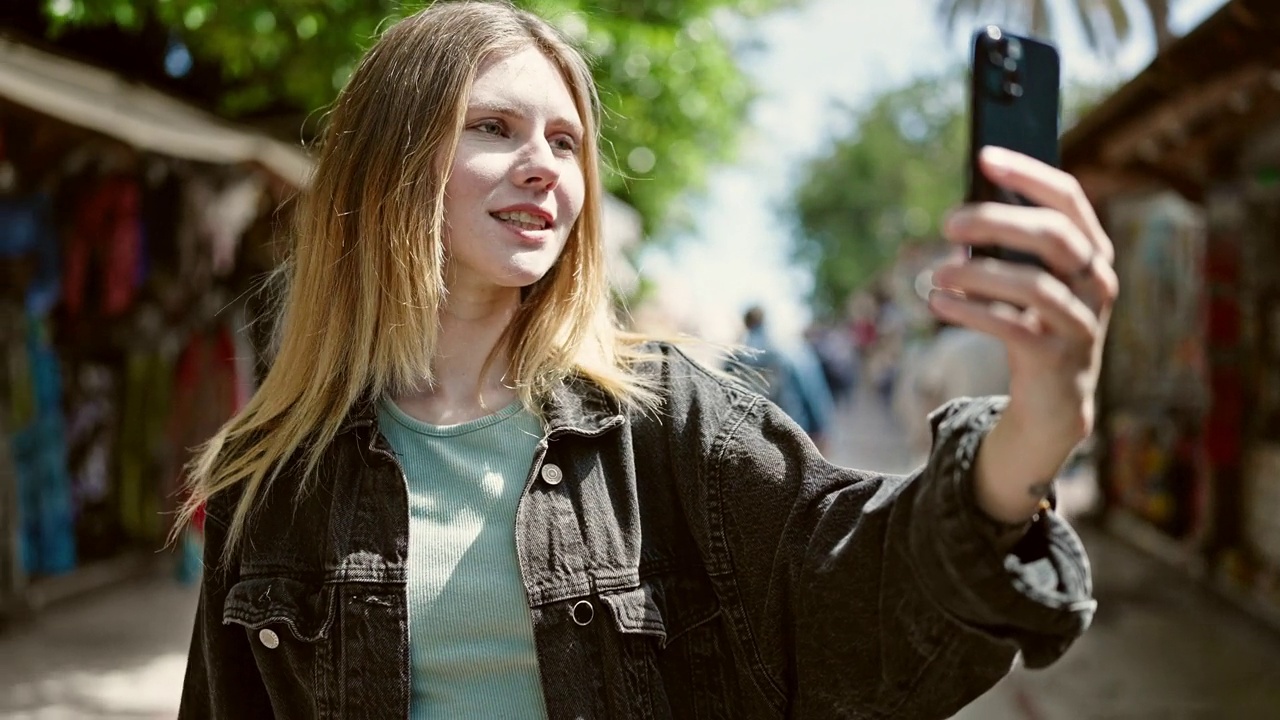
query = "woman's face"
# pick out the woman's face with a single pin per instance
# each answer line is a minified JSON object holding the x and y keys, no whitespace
{"x":516,"y":187}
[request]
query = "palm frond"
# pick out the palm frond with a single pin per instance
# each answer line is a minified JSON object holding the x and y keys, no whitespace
{"x":1106,"y":24}
{"x":953,"y":12}
{"x":1041,"y":22}
{"x":1088,"y":23}
{"x":1121,"y":21}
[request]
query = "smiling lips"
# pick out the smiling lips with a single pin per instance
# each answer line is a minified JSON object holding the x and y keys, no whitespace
{"x":523,"y":220}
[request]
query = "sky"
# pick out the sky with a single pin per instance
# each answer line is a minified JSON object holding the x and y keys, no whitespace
{"x":823,"y":53}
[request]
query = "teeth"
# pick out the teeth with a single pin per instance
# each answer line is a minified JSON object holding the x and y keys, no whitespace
{"x":523,"y":220}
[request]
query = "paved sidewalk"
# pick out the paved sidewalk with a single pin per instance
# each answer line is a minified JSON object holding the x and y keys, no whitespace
{"x":118,"y":653}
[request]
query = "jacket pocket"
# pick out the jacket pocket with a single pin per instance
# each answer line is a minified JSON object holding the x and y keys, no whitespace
{"x":305,"y":610}
{"x":663,"y":608}
{"x":672,"y":648}
{"x":288,"y":623}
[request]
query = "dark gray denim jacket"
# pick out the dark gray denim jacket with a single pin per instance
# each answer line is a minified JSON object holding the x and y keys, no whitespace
{"x":701,"y":562}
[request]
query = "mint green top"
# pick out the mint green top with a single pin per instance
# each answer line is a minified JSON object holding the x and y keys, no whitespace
{"x":471,"y":648}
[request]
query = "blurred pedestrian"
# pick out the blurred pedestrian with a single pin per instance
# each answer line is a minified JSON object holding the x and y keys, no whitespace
{"x":462,"y":491}
{"x":884,"y":365}
{"x":834,"y":346}
{"x":791,"y":376}
{"x":958,"y":362}
{"x":961,"y":362}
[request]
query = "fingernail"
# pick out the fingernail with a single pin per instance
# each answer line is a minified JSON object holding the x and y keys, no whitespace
{"x":999,"y":158}
{"x":995,"y":153}
{"x":942,"y":295}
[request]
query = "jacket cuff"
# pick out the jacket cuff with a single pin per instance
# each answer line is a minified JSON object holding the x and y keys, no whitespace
{"x":1039,"y":594}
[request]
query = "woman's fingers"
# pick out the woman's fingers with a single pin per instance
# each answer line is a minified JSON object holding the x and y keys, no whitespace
{"x":1022,"y":286}
{"x":1050,"y":187}
{"x":1046,"y":233}
{"x":1002,"y":322}
{"x":1064,"y":231}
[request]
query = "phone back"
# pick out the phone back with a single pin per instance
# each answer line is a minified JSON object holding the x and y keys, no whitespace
{"x":1014,"y":103}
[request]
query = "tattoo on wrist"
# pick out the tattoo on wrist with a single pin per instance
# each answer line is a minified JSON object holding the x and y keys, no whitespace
{"x":1040,"y":490}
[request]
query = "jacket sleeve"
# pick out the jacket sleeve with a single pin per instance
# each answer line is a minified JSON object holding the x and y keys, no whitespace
{"x":854,"y":594}
{"x":222,"y":678}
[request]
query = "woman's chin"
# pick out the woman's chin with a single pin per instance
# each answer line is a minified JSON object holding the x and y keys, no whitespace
{"x":521,"y":276}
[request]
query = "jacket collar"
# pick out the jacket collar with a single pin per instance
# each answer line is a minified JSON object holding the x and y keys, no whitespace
{"x":363,"y":414}
{"x":579,"y":405}
{"x":575,"y":404}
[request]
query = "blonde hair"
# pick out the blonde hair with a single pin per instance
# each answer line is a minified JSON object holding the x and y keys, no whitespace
{"x":365,"y":280}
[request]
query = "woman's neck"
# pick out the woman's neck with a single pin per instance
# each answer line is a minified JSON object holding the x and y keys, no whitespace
{"x":470,"y":329}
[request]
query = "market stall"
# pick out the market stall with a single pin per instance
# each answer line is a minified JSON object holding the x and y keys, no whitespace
{"x":1183,"y":163}
{"x":1155,"y":381}
{"x":132,"y":228}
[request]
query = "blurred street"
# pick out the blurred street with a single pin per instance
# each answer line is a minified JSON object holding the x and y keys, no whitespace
{"x":1160,"y":649}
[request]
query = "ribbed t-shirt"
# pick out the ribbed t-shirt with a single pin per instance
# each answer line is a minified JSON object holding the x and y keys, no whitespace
{"x":471,"y":645}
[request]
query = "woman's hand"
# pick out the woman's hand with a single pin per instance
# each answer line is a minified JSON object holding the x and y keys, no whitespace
{"x":1053,"y":323}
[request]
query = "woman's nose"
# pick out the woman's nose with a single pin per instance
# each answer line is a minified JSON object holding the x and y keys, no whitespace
{"x":537,"y":165}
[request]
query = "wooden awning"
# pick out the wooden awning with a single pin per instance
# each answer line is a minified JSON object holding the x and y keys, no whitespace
{"x":1180,"y":121}
{"x":100,"y":100}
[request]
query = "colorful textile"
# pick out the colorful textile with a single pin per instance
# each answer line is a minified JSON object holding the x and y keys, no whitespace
{"x":45,"y":508}
{"x":26,"y":228}
{"x":104,"y":261}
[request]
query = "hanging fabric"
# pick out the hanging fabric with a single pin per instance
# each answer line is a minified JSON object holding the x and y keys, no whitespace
{"x":45,"y":505}
{"x":142,"y":449}
{"x":105,"y":255}
{"x":27,"y":231}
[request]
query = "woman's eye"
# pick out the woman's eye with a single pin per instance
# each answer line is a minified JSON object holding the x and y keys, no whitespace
{"x":490,"y":127}
{"x":565,"y":143}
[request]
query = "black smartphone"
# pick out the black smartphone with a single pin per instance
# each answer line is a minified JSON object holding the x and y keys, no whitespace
{"x":1014,"y":98}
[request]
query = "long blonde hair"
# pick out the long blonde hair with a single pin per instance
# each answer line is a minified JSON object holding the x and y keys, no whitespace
{"x":365,"y":281}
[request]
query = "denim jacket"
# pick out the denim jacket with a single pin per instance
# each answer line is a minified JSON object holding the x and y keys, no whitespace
{"x":703,"y":561}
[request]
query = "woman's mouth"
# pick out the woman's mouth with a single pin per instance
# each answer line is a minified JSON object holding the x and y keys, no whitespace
{"x":522,"y":220}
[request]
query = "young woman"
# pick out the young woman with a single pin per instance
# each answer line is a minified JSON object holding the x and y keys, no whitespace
{"x":463,"y":492}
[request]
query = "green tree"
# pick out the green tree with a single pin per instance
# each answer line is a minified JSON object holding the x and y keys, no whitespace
{"x":888,"y":180}
{"x":1105,"y":22}
{"x":674,"y":95}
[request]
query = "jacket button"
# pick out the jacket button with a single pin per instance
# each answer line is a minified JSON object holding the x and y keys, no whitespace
{"x":269,"y":639}
{"x":583,"y":612}
{"x":552,"y":474}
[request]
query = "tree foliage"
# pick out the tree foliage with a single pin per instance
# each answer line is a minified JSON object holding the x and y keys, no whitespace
{"x":674,"y":96}
{"x":888,"y":180}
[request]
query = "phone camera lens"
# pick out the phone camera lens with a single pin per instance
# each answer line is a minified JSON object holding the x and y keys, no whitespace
{"x":1013,"y":49}
{"x":1012,"y":88}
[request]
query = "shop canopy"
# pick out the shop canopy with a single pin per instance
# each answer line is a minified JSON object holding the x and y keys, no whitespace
{"x":102,"y":101}
{"x":1201,"y":98}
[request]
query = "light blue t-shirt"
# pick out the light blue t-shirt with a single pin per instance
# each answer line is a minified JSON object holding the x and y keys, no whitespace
{"x":471,"y":646}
